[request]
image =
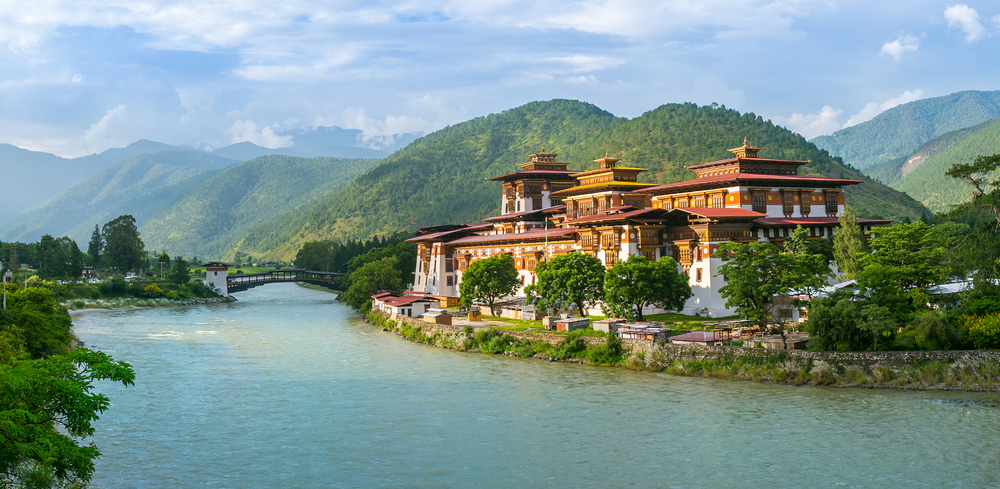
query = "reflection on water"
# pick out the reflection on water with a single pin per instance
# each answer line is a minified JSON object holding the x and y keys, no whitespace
{"x":289,"y":388}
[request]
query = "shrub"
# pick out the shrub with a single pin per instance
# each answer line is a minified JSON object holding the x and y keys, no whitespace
{"x":152,"y":291}
{"x":984,"y":331}
{"x":935,"y":332}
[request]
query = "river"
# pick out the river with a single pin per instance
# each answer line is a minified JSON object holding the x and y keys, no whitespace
{"x":288,"y":388}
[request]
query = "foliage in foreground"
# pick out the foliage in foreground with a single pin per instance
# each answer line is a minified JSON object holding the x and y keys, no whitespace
{"x":637,"y":282}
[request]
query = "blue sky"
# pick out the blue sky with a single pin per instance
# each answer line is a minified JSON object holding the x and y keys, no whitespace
{"x":79,"y":77}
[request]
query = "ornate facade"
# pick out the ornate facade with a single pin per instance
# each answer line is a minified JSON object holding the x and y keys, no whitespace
{"x":607,"y":213}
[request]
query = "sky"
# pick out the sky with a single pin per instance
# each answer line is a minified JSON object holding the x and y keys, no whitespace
{"x":81,"y":76}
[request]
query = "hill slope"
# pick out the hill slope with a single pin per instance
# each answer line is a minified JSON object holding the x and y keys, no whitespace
{"x":440,"y":178}
{"x":900,"y":130}
{"x":921,"y":174}
{"x":129,"y":179}
{"x":212,"y":216}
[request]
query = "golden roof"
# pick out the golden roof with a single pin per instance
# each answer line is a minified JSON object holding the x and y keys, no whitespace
{"x":745,"y":151}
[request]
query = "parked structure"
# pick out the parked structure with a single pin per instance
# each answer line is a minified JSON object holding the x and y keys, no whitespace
{"x":607,"y":213}
{"x":409,"y":304}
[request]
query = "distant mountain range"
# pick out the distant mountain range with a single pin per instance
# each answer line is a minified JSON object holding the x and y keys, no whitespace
{"x":900,"y":130}
{"x":33,"y":177}
{"x":910,"y":147}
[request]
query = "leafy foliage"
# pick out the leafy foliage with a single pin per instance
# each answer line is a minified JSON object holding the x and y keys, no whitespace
{"x":908,"y":254}
{"x":489,"y":280}
{"x":47,"y":406}
{"x":574,"y":279}
{"x":123,"y":248}
{"x":755,"y":273}
{"x":373,"y":276}
{"x":635,"y":283}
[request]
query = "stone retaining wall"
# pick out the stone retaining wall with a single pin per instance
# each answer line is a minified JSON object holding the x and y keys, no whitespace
{"x":431,"y":328}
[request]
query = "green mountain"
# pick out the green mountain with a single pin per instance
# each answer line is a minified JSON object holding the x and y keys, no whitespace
{"x":922,"y":173}
{"x":900,"y":130}
{"x":131,"y":178}
{"x":210,"y":218}
{"x":439,"y":178}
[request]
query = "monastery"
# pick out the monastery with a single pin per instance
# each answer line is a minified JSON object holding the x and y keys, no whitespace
{"x":547,"y":210}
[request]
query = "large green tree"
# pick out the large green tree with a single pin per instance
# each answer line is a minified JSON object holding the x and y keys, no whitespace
{"x":180,"y":273}
{"x":637,"y":282}
{"x":981,"y":248}
{"x":755,"y":273}
{"x":909,"y":251}
{"x":47,"y":408}
{"x":123,"y":247}
{"x":488,"y":280}
{"x":373,"y":276}
{"x":95,"y":248}
{"x":574,"y":279}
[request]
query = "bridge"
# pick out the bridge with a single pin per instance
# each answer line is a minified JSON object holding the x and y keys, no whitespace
{"x":218,"y":274}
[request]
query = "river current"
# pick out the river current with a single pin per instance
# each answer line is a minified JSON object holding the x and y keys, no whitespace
{"x":289,"y":388}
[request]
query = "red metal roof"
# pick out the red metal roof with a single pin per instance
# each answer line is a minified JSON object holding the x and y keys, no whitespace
{"x":406,"y":300}
{"x":698,"y":336}
{"x":614,"y":217}
{"x":810,"y":221}
{"x":733,"y":160}
{"x":739,"y":178}
{"x":525,"y":213}
{"x":719,"y":212}
{"x":489,"y":238}
{"x":529,"y":173}
{"x":434,"y":236}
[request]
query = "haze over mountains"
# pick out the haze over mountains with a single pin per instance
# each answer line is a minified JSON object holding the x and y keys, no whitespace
{"x":33,"y":178}
{"x":194,"y":203}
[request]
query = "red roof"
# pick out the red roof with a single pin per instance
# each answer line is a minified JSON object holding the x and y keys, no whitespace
{"x":733,"y":160}
{"x":433,"y":236}
{"x":809,"y":221}
{"x":552,"y":233}
{"x":405,"y":300}
{"x":614,"y":217}
{"x":529,"y":173}
{"x":521,"y":214}
{"x":739,"y":178}
{"x":697,"y":336}
{"x":719,"y":212}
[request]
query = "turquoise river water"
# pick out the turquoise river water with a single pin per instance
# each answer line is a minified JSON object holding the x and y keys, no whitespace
{"x":288,"y":388}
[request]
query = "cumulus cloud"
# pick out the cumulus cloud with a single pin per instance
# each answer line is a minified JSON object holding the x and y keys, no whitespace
{"x":242,"y":131}
{"x":99,"y":136}
{"x":966,"y":19}
{"x":812,"y":125}
{"x":873,"y":109}
{"x":901,"y":45}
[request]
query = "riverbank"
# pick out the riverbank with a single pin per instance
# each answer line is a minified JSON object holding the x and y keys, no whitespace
{"x":82,"y":306}
{"x":972,"y":371}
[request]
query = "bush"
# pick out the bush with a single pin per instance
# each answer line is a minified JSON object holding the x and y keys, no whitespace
{"x":935,"y":332}
{"x":152,"y":291}
{"x":984,"y":331}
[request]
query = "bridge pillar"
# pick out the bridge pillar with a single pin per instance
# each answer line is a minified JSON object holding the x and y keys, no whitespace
{"x":216,"y":275}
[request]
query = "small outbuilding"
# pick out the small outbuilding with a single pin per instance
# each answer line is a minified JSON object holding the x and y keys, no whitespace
{"x":697,"y":338}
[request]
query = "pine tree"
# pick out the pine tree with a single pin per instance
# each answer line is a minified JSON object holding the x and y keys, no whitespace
{"x":96,"y":246}
{"x":848,"y":245}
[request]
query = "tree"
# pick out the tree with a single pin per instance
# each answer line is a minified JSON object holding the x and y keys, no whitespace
{"x":635,"y":283}
{"x":848,"y":245}
{"x":122,"y":245}
{"x":35,"y":316}
{"x":370,"y":278}
{"x":811,"y":269}
{"x":95,"y":247}
{"x":878,"y":322}
{"x":180,"y":273}
{"x":571,"y":279}
{"x":48,"y":407}
{"x":981,"y":248}
{"x":833,"y":324}
{"x":488,"y":280}
{"x":755,"y":273}
{"x":909,"y":252}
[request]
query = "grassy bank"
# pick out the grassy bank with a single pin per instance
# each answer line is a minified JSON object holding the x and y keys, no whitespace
{"x":495,"y":341}
{"x":772,"y":367}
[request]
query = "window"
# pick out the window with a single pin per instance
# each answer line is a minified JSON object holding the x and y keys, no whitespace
{"x":805,"y":205}
{"x":760,"y":202}
{"x":697,"y":275}
{"x":788,"y":201}
{"x":831,"y":204}
{"x":450,"y":281}
{"x":718,"y":201}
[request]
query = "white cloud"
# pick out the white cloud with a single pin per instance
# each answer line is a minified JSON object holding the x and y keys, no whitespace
{"x":99,"y":136}
{"x":901,"y":45}
{"x":812,"y":125}
{"x":246,"y":130}
{"x":965,"y":18}
{"x":873,"y":109}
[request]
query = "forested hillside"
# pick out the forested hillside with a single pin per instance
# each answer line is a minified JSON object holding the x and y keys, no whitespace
{"x":900,"y":130}
{"x":131,"y":178}
{"x":922,"y":174}
{"x":210,"y":218}
{"x":440,"y":178}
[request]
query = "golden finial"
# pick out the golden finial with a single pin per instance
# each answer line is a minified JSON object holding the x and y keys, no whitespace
{"x":543,"y":148}
{"x":605,"y":154}
{"x":745,"y":151}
